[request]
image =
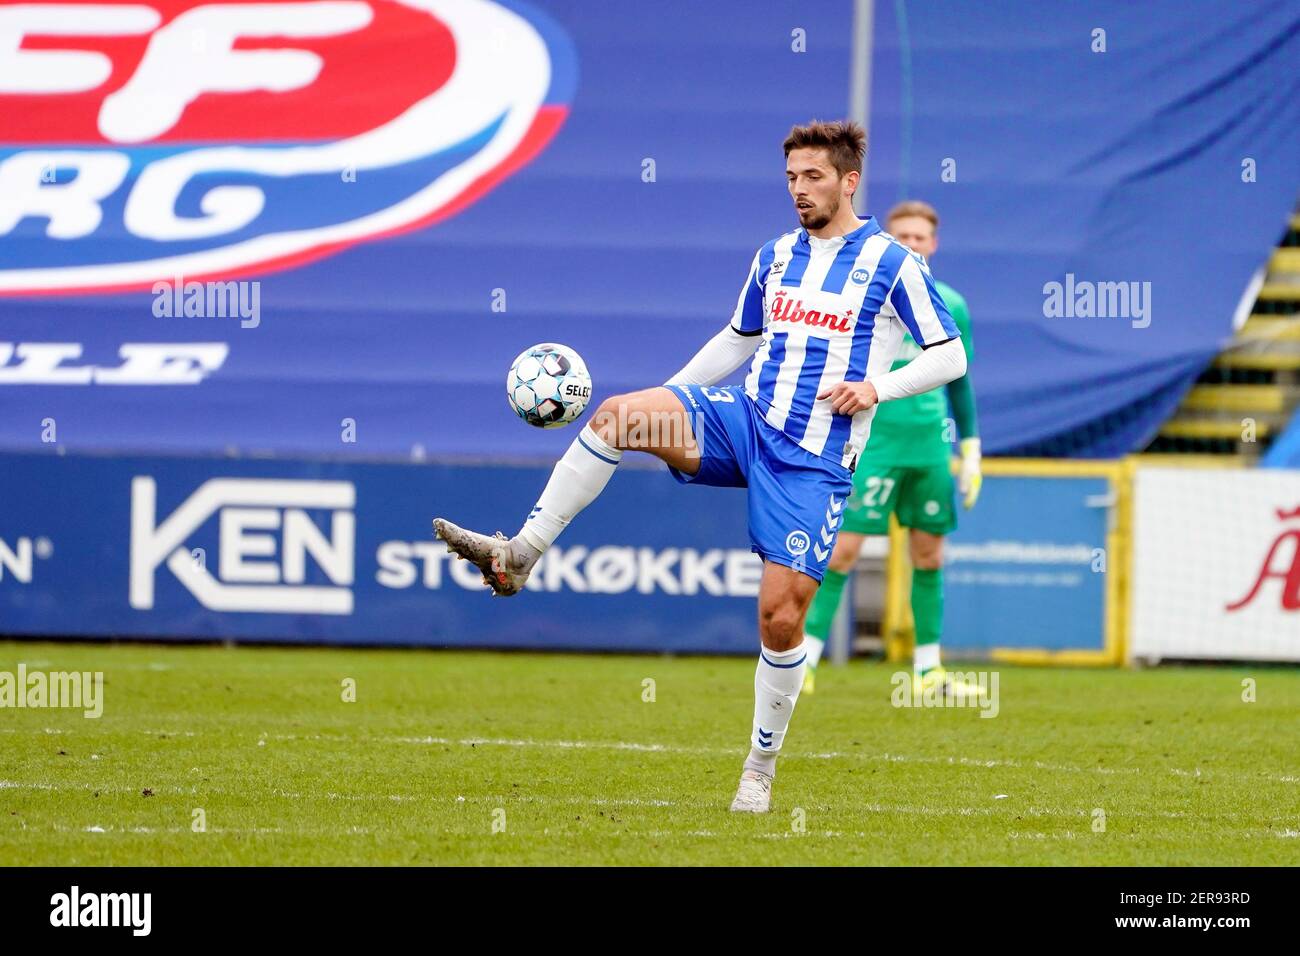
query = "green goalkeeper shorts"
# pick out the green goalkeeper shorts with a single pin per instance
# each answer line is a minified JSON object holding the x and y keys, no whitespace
{"x":922,"y":497}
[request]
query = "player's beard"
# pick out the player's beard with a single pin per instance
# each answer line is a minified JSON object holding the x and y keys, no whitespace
{"x":817,"y":218}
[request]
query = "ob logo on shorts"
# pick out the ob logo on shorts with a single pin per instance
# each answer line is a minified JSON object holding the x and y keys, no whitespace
{"x":797,"y":543}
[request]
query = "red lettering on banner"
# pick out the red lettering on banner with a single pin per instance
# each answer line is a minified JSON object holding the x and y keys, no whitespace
{"x":1290,"y":577}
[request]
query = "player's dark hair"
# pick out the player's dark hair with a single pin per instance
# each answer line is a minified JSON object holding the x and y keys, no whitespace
{"x":914,"y":207}
{"x":845,"y":141}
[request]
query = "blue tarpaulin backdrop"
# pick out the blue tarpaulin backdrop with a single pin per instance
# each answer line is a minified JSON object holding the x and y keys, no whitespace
{"x":1117,"y":166}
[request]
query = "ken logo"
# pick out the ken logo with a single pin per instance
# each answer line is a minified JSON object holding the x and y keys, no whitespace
{"x":264,"y":537}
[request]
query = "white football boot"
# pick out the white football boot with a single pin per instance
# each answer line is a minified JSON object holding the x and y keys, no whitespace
{"x":754,"y":795}
{"x":504,"y":570}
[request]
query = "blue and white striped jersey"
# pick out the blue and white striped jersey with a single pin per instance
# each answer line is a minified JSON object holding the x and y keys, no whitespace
{"x":830,"y":311}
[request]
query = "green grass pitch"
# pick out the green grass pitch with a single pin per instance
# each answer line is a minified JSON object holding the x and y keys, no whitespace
{"x":482,"y":758}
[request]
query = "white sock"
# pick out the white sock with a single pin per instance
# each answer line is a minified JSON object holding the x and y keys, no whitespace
{"x":815,"y":647}
{"x":777,"y":682}
{"x":925,"y":657}
{"x":578,"y":478}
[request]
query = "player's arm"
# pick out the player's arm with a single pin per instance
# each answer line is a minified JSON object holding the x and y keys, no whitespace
{"x":961,"y":398}
{"x":937,"y":365}
{"x":726,"y":351}
{"x":917,"y":304}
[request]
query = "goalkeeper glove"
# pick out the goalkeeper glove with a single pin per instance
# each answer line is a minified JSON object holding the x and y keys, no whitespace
{"x":970,"y":479}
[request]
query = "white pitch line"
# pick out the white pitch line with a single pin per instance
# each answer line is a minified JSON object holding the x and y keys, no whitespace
{"x":623,"y":745}
{"x":1068,"y":835}
{"x":147,"y":733}
{"x":500,"y":799}
{"x":101,"y":788}
{"x":987,"y":763}
{"x":827,"y":755}
{"x":508,"y":742}
{"x":392,"y":797}
{"x":59,"y":828}
{"x":1007,"y":810}
{"x":789,"y":834}
{"x":897,"y":809}
{"x":889,"y":809}
{"x":574,"y":801}
{"x":16,"y":730}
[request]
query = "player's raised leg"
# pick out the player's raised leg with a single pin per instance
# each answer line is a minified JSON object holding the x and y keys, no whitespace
{"x":652,"y":420}
{"x":783,"y":599}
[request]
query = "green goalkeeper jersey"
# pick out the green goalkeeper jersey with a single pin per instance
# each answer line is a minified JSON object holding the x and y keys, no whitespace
{"x":914,"y":432}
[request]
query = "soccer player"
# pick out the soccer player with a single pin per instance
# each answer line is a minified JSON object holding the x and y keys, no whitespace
{"x":822,"y":313}
{"x":905,"y":471}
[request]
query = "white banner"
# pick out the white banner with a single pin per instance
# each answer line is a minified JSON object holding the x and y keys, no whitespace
{"x":1216,"y":565}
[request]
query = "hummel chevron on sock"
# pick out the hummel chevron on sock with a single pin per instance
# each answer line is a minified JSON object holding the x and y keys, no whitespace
{"x":927,"y":612}
{"x":825,"y":604}
{"x":777,"y":682}
{"x":578,"y":478}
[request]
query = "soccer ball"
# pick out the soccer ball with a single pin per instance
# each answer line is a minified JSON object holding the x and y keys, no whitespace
{"x":548,"y":385}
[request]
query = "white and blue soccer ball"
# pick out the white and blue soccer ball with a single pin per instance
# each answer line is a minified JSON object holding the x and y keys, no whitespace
{"x":548,"y":385}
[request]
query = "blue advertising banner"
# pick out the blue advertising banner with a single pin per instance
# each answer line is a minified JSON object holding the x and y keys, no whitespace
{"x":342,"y":552}
{"x":1026,"y":568}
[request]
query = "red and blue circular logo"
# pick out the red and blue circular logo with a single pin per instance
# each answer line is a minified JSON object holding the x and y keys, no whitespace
{"x":147,"y":140}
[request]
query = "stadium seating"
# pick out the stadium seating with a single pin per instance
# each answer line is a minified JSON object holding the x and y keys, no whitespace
{"x":1241,"y":403}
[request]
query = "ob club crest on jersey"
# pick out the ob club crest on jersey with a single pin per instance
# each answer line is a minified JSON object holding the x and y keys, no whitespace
{"x":146,"y":140}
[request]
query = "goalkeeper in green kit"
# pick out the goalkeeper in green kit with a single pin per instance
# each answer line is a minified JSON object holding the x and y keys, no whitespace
{"x":905,"y":470}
